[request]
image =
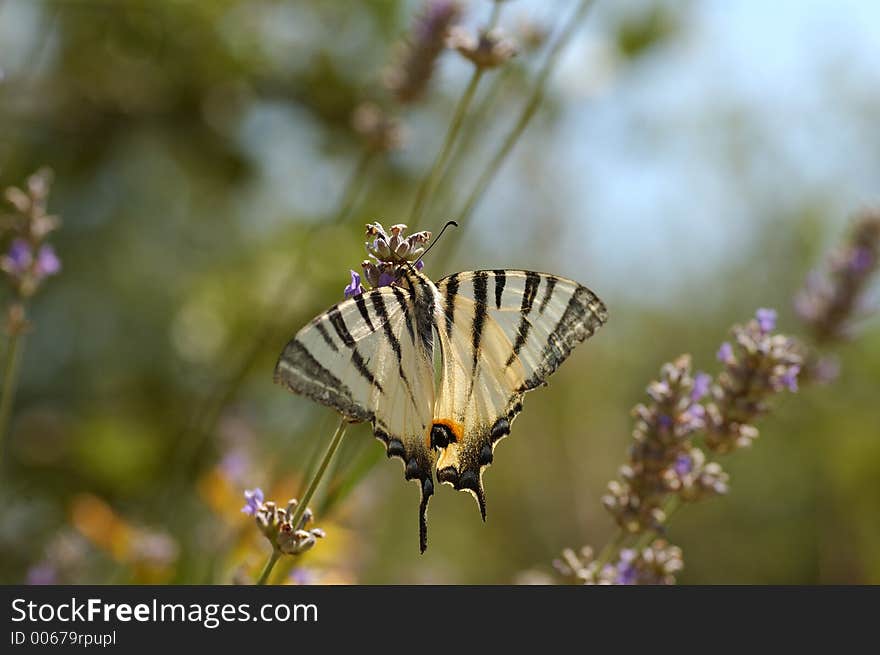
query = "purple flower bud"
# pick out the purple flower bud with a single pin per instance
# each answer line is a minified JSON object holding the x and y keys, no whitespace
{"x":683,"y":464}
{"x":861,"y":261}
{"x":385,"y":279}
{"x":627,"y":573}
{"x":789,"y":378}
{"x":725,"y":353}
{"x":20,"y":256}
{"x":302,"y":576}
{"x":354,"y":288}
{"x":420,"y":265}
{"x":766,"y":319}
{"x":664,"y":421}
{"x":253,"y":501}
{"x":47,"y":261}
{"x":701,"y":386}
{"x":42,"y":574}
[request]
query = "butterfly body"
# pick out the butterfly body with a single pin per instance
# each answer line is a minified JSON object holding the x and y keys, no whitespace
{"x":499,"y":334}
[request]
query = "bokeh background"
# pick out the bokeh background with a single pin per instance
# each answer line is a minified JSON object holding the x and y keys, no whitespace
{"x":690,"y":162}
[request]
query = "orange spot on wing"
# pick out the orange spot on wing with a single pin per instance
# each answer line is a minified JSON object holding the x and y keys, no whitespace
{"x":457,"y":429}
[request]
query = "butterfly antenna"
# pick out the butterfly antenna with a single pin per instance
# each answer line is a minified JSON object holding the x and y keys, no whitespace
{"x":433,"y":243}
{"x":437,"y":238}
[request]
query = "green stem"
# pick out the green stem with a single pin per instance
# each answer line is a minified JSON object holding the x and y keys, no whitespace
{"x":610,"y":550}
{"x":273,"y":559}
{"x":475,"y":124}
{"x":525,"y":117}
{"x":429,"y":182}
{"x":10,"y":378}
{"x":319,"y":474}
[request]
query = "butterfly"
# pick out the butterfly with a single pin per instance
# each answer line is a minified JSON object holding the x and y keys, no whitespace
{"x":500,"y":333}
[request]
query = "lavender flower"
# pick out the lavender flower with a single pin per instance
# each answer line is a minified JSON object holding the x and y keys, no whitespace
{"x":388,"y":252}
{"x":830,"y":300}
{"x":41,"y":573}
{"x":355,"y":288}
{"x":19,"y":258}
{"x":29,"y":259}
{"x":662,"y":459}
{"x":759,"y":366}
{"x":408,"y":78}
{"x":47,"y":262}
{"x":684,"y":464}
{"x":766,"y":320}
{"x":702,"y":381}
{"x":253,"y":501}
{"x":276,"y":524}
{"x":655,"y":564}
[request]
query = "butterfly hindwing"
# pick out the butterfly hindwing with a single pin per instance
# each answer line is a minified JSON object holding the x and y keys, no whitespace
{"x":502,"y":333}
{"x":368,"y":358}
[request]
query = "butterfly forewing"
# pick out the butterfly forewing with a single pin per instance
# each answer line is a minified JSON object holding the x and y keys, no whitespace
{"x":365,"y":358}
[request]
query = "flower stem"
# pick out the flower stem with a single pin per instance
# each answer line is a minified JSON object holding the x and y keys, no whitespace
{"x":525,"y":117}
{"x":429,"y":183}
{"x":273,"y":559}
{"x":610,"y":550}
{"x":430,"y":180}
{"x":10,"y":379}
{"x":319,"y":474}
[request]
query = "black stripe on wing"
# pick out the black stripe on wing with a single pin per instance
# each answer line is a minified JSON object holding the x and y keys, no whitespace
{"x":533,"y":280}
{"x":548,"y":293}
{"x":481,"y":287}
{"x":450,"y":291}
{"x":362,"y":308}
{"x":500,"y":280}
{"x":378,"y":301}
{"x":584,"y":315}
{"x":319,"y":326}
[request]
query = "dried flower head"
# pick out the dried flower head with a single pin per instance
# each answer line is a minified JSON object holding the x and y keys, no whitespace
{"x":380,"y":131}
{"x":388,"y":252}
{"x":489,"y":49}
{"x":414,"y":63}
{"x":531,"y":34}
{"x":277,"y":526}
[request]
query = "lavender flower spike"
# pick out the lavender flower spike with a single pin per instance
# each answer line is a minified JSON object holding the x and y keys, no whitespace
{"x":408,"y":78}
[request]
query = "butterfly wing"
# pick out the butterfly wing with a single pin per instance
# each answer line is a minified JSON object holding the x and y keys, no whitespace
{"x":502,"y":333}
{"x":366,"y":358}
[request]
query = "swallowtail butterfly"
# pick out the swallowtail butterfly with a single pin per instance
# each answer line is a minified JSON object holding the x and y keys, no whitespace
{"x":500,"y":334}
